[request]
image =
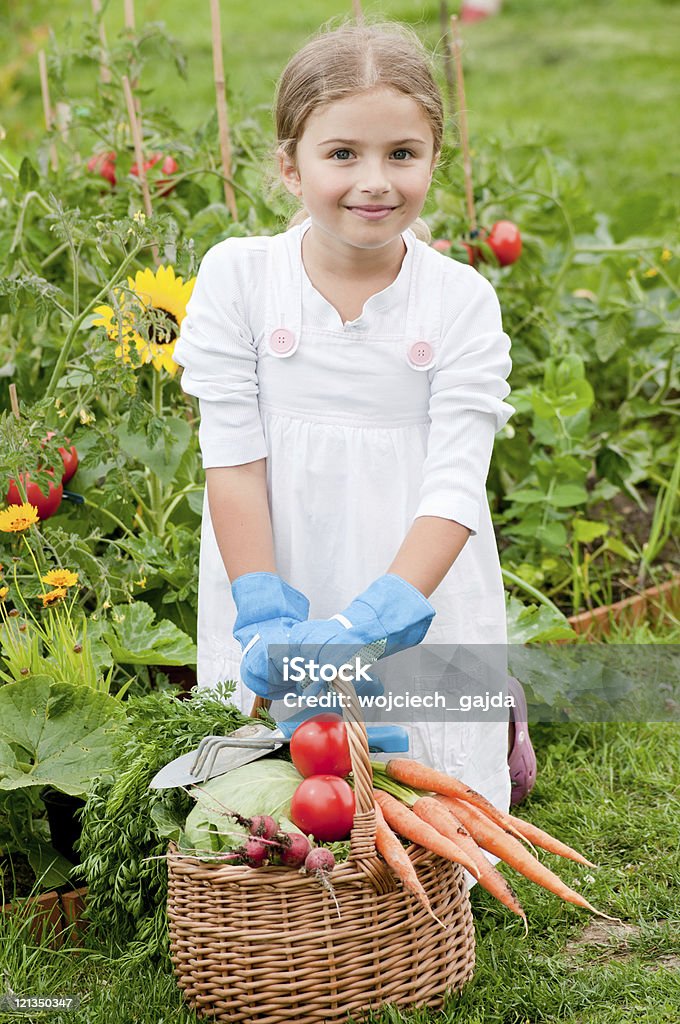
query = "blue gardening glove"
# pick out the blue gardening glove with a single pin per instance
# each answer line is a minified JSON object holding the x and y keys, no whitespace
{"x":267,"y":610}
{"x":389,"y":609}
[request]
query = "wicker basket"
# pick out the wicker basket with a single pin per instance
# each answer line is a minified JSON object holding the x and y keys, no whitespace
{"x":269,"y":945}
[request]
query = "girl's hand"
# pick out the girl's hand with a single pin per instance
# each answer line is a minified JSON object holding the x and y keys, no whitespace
{"x":267,"y":609}
{"x":390,"y":609}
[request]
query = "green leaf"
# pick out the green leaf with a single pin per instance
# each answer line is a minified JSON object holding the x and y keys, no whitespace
{"x":565,"y":495}
{"x":611,"y":336}
{"x":619,"y":548}
{"x":534,"y":623}
{"x":161,"y":460}
{"x":585,"y":530}
{"x":65,"y":733}
{"x":51,"y":868}
{"x":137,"y":640}
{"x":28,"y":176}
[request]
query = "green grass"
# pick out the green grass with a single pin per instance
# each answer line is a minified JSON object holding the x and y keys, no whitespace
{"x":605,"y":789}
{"x":597,"y":81}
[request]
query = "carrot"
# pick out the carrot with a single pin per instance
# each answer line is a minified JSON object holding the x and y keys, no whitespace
{"x":505,"y":846}
{"x":441,"y":816}
{"x":409,"y":825}
{"x":538,"y":837}
{"x":419,"y":776}
{"x":395,"y":855}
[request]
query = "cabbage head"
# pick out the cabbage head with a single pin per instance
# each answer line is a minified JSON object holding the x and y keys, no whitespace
{"x":265,"y":786}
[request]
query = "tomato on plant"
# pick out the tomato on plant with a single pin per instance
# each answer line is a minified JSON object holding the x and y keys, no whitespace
{"x":319,"y":746}
{"x":46,"y":504}
{"x":505,"y":242}
{"x":104,"y":164}
{"x":441,"y":244}
{"x":323,"y":806}
{"x":168,"y":166}
{"x":69,"y":457}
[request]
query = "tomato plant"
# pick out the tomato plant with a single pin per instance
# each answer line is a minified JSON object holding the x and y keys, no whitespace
{"x":69,"y":457}
{"x":319,"y":746}
{"x":168,"y":165}
{"x":323,"y":806}
{"x":46,"y":504}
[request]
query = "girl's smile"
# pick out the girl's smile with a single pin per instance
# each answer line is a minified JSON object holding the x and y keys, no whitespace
{"x":362,"y":168}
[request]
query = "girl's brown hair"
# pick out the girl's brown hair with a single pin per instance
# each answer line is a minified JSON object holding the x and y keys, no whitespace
{"x":348,"y":60}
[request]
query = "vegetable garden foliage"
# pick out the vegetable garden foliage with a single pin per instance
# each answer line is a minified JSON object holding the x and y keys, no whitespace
{"x":126,"y":825}
{"x":594,"y":324}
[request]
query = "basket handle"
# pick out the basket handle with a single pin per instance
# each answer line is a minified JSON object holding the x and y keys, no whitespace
{"x":362,"y":837}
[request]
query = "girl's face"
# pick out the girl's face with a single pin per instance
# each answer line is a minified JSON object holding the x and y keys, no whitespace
{"x":363,"y":167}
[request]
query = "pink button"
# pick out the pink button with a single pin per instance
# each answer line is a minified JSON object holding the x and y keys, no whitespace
{"x":421,"y":355}
{"x":282,"y":342}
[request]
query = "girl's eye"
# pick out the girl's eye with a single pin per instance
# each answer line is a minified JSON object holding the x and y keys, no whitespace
{"x":342,"y":154}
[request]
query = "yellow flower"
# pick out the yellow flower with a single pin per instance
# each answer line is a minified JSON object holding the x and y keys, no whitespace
{"x":85,"y":416}
{"x":4,"y":591}
{"x":163,"y":300}
{"x":666,"y":256}
{"x":141,"y":582}
{"x":652,"y":272}
{"x":52,"y":596}
{"x":17,"y":518}
{"x":60,"y":578}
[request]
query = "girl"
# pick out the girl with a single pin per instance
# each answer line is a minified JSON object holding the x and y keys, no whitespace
{"x":351,"y":380}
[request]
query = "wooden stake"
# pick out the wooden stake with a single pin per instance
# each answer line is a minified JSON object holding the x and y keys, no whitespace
{"x":47,"y":106}
{"x":136,"y":130}
{"x":464,"y":136}
{"x":14,"y":401}
{"x":358,"y":12}
{"x":448,"y":60}
{"x":104,"y":72}
{"x":222,"y":112}
{"x":130,"y":15}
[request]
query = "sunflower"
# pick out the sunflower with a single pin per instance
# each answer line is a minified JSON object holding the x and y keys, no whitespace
{"x":161,"y":299}
{"x":60,"y":578}
{"x":17,"y":518}
{"x":52,"y":596}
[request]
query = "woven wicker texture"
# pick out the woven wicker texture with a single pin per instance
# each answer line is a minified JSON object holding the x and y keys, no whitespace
{"x":270,"y":945}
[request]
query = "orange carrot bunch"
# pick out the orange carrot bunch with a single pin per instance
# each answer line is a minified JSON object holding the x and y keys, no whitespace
{"x":443,"y":815}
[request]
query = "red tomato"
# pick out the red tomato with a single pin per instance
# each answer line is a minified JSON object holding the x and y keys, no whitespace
{"x":323,"y":806}
{"x":69,"y":457}
{"x":505,"y":241}
{"x":319,"y":747}
{"x":103,"y":164}
{"x":441,"y":245}
{"x":168,"y":166}
{"x":46,"y":504}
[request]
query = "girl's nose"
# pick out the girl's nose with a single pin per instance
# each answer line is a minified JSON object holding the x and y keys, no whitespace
{"x":374,"y":179}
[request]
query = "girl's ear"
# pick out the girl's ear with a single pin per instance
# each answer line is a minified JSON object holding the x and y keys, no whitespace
{"x":435,"y":161}
{"x":289,"y":172}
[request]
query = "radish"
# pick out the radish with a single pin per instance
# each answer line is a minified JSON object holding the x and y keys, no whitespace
{"x":294,"y":849}
{"x":320,"y":862}
{"x":255,"y":852}
{"x":263,"y":825}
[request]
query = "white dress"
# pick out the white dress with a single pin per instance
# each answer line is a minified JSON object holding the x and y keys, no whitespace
{"x":365,"y":426}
